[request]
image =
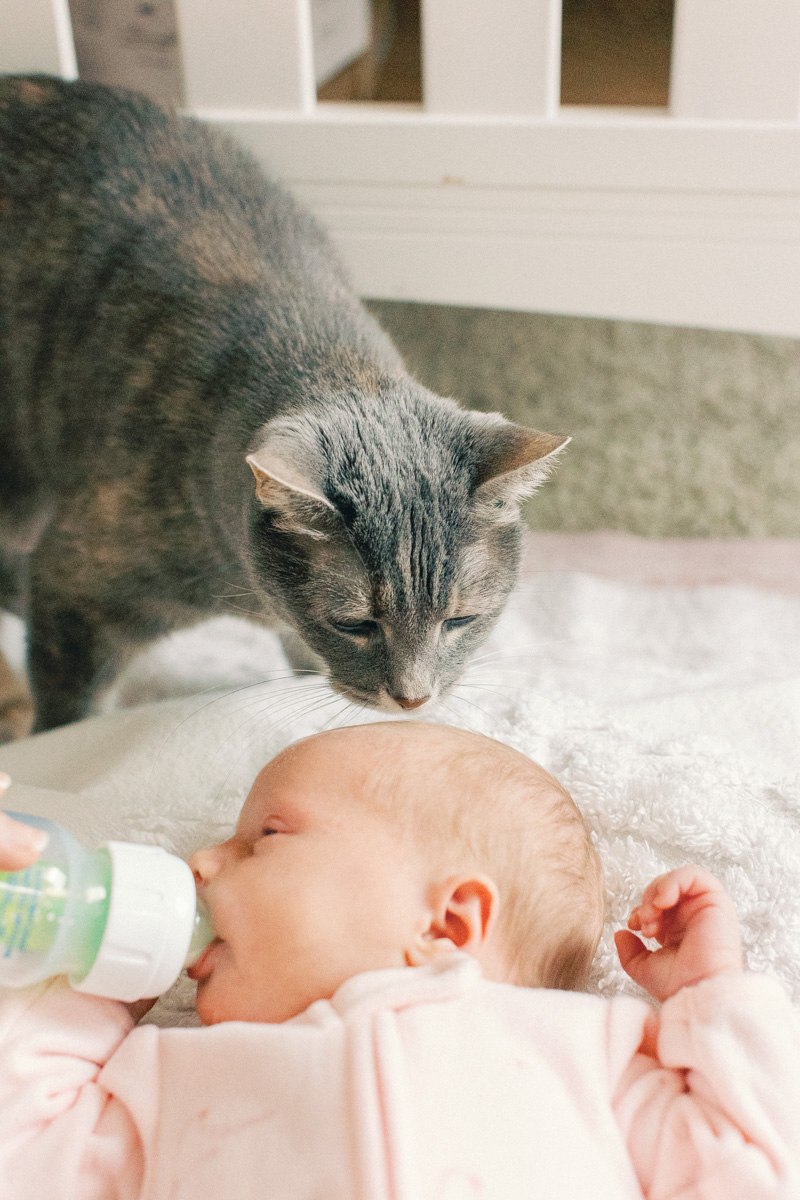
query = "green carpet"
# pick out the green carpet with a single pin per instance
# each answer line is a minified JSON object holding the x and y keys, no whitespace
{"x":677,"y":432}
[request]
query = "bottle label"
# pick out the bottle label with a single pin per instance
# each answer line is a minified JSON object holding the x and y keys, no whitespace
{"x":32,"y":906}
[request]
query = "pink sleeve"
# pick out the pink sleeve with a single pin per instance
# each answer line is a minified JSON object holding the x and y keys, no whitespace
{"x":61,"y":1134}
{"x":719,"y":1113}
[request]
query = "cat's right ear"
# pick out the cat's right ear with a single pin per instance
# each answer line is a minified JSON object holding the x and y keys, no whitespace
{"x":288,"y":491}
{"x":513,"y":462}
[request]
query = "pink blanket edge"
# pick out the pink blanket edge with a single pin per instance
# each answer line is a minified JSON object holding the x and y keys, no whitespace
{"x":769,"y":563}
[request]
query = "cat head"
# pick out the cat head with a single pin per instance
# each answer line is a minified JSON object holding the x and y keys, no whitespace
{"x":385,"y":529}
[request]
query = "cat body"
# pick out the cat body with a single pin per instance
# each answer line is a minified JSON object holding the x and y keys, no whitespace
{"x":197,"y":413}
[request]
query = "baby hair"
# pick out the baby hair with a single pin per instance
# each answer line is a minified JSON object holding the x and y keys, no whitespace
{"x":475,"y":798}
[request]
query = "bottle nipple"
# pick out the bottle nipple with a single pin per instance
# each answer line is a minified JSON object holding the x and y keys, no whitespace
{"x":202,"y":934}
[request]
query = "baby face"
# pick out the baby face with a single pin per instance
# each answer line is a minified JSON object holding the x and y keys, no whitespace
{"x":312,"y":888}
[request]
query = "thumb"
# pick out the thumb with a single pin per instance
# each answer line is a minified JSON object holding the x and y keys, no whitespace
{"x":633,"y":955}
{"x":20,"y":844}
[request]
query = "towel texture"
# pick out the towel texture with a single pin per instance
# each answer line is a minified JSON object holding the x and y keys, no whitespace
{"x":671,"y":714}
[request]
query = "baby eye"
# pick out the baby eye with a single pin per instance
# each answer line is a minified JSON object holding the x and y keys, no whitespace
{"x":457,"y":622}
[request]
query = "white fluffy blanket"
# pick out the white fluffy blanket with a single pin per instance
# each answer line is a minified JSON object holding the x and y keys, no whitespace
{"x":671,"y":714}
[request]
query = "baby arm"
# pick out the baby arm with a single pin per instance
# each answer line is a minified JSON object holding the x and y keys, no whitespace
{"x":711,"y":1104}
{"x":60,"y":1132}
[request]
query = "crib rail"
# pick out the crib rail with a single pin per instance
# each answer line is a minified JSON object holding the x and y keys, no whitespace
{"x":36,"y":35}
{"x":491,"y":193}
{"x":243,"y":55}
{"x":735,"y":60}
{"x":491,"y":59}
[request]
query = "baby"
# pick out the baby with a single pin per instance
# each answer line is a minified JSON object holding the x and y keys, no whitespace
{"x":403,"y":913}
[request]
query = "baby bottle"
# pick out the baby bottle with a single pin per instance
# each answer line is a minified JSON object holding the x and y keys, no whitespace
{"x":120,"y":921}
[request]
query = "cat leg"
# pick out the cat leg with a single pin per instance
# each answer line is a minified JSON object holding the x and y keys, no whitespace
{"x":70,"y":660}
{"x":62,"y":665}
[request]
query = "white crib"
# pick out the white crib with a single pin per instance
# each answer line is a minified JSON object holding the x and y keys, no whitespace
{"x":490,"y":193}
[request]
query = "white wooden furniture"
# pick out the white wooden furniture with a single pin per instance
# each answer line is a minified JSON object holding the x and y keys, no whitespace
{"x":490,"y":194}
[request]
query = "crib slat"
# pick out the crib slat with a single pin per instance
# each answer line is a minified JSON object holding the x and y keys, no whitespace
{"x":37,"y":36}
{"x":491,"y":58}
{"x":247,"y":54}
{"x":735,"y":59}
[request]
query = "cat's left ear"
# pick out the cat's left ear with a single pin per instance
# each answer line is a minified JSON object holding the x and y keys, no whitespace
{"x":514,"y":463}
{"x":288,"y":474}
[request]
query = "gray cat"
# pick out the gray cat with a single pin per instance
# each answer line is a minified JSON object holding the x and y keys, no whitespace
{"x":194,"y":405}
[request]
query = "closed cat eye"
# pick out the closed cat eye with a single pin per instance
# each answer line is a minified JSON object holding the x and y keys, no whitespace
{"x":457,"y":622}
{"x":356,"y":628}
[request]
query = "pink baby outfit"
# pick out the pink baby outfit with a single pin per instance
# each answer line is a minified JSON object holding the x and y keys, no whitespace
{"x":413,"y":1084}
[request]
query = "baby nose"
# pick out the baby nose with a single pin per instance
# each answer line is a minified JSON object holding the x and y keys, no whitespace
{"x":204,"y":864}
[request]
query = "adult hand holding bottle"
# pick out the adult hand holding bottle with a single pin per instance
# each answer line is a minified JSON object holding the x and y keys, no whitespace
{"x":20,"y":845}
{"x":57,"y":915}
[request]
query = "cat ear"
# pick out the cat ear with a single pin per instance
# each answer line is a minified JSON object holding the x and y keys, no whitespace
{"x":287,"y":472}
{"x":515,"y":462}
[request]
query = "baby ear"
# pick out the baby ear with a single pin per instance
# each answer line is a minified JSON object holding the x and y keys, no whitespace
{"x":463,"y":910}
{"x":288,"y":470}
{"x":513,"y":463}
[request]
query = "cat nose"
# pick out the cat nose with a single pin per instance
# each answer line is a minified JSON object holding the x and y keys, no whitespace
{"x":405,"y":702}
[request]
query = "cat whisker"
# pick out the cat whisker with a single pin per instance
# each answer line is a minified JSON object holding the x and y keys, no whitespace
{"x":258,"y":716}
{"x":237,"y":608}
{"x":190,"y":716}
{"x":497,"y":659}
{"x":477,"y":707}
{"x":503,"y":670}
{"x":508,"y":664}
{"x":496,"y":718}
{"x":342,"y":712}
{"x":509,"y":676}
{"x":545,"y":660}
{"x":494,"y":689}
{"x":275,"y":699}
{"x":295,"y":714}
{"x":232,"y":595}
{"x":291,"y":678}
{"x":238,"y":586}
{"x":458,"y":717}
{"x":544,"y":654}
{"x":236,"y":691}
{"x":541,"y":647}
{"x":297,"y":697}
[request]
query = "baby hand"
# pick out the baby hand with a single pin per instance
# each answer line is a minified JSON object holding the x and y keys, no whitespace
{"x":693,"y":918}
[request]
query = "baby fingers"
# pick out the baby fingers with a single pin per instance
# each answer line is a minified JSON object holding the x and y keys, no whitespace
{"x":668,"y":890}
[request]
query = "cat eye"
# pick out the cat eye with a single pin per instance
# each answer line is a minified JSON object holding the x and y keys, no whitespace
{"x":457,"y":622}
{"x":358,"y":629}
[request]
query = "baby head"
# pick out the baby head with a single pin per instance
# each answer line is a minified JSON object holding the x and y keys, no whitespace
{"x":389,"y":845}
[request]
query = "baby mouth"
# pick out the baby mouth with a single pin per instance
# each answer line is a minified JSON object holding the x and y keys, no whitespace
{"x":202,"y":968}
